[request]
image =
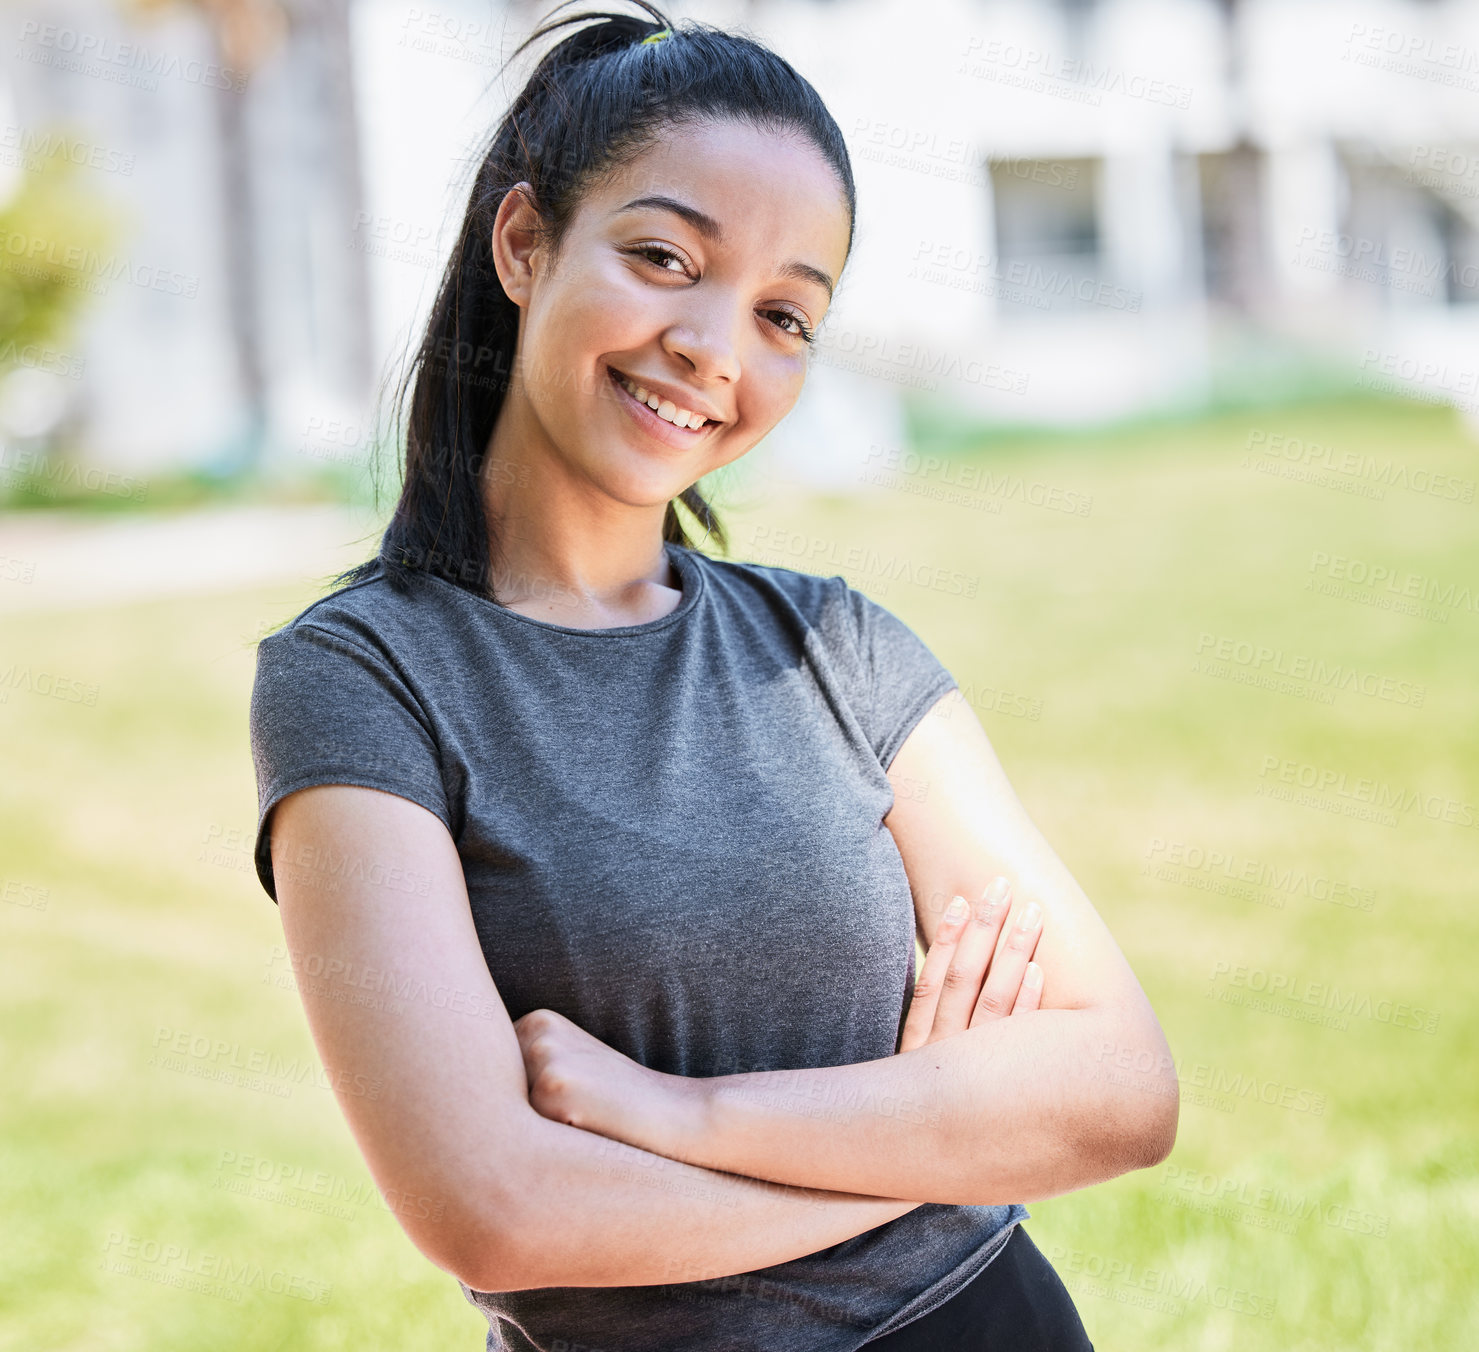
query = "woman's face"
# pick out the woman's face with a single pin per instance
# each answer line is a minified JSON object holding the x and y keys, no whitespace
{"x":694,"y":272}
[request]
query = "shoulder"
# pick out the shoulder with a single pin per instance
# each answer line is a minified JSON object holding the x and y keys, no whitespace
{"x":847,"y":619}
{"x":819,"y":600}
{"x":342,"y":684}
{"x":369,"y":613}
{"x":852,"y":626}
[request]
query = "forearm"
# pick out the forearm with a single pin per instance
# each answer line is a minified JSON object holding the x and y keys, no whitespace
{"x":589,"y":1211}
{"x":1009,"y":1111}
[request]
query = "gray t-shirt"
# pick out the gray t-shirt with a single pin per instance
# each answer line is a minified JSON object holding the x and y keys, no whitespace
{"x":672,"y":833}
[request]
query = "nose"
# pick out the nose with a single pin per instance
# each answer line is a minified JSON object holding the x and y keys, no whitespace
{"x":705,"y":340}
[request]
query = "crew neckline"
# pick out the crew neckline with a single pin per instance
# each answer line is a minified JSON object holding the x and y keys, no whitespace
{"x":689,"y":572}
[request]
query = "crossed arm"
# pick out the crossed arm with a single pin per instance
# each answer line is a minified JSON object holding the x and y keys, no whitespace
{"x":1009,"y":1109}
{"x":530,"y":1155}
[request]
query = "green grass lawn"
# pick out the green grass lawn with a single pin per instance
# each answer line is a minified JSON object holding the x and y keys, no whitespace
{"x":1324,"y":1191}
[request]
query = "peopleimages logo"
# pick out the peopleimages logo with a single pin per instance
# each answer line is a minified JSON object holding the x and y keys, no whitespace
{"x":1373,"y":791}
{"x":217,"y":1058}
{"x":130,"y":64}
{"x":1325,"y":996}
{"x":1370,"y":259}
{"x":1175,"y":861}
{"x":818,"y":552}
{"x":892,"y":462}
{"x":1137,"y":1068}
{"x":1103,"y":1276}
{"x":191,"y":1268}
{"x":1315,"y":462}
{"x":1426,"y":372}
{"x":1261,"y":658}
{"x":1268,"y":1203}
{"x":1389,"y":577}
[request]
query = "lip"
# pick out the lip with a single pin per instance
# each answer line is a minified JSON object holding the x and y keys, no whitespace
{"x":668,"y":433}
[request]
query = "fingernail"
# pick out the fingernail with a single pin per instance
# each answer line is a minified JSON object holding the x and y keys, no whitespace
{"x":1030,"y":916}
{"x":957,"y":909}
{"x":1033,"y":976}
{"x":998,"y":889}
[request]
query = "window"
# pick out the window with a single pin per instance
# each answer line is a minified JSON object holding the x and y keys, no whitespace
{"x":1048,"y":252}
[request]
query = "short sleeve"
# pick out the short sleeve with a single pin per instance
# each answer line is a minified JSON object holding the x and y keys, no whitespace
{"x":325,"y":709}
{"x":903,"y":677}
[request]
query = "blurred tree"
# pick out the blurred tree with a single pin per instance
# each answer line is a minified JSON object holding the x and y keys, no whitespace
{"x":63,"y":227}
{"x":59,"y":233}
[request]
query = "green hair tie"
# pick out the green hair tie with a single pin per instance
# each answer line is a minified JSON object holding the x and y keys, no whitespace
{"x":657,"y":37}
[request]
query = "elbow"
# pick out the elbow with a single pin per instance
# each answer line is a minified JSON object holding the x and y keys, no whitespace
{"x":493,"y":1258}
{"x":501,"y":1245}
{"x":495,"y":1268}
{"x":476,"y":1244}
{"x":1138,"y":1103}
{"x":496,"y":1241}
{"x":1158,"y":1136}
{"x":1141,"y":1134}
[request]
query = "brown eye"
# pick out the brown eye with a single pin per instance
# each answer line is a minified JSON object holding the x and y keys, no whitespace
{"x":800,"y":331}
{"x":655,"y":252}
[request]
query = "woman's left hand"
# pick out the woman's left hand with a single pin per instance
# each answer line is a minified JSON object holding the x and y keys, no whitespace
{"x":577,"y":1079}
{"x":965,"y":982}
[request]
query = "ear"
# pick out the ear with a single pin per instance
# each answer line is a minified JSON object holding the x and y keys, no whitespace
{"x":515,"y":242}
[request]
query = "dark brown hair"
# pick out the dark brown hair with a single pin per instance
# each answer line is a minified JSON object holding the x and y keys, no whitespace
{"x":597,"y":100}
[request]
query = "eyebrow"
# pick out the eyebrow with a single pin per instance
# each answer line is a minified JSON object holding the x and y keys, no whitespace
{"x":711,"y":230}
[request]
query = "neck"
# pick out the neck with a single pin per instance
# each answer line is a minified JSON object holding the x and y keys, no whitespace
{"x":563,"y":551}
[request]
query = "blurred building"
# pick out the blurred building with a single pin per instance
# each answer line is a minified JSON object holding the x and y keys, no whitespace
{"x":1070,"y":210}
{"x":1121,"y":206}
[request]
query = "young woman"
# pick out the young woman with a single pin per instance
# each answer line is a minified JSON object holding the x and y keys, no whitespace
{"x":601,"y":861}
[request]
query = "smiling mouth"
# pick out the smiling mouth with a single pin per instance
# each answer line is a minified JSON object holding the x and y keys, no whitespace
{"x":664,"y":411}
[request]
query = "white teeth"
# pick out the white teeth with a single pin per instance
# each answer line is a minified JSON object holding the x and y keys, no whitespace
{"x":665,"y":409}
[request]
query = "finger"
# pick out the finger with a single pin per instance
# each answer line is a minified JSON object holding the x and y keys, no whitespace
{"x":1004,"y":980}
{"x":927,"y":985}
{"x":963,"y":979}
{"x":1030,"y":996}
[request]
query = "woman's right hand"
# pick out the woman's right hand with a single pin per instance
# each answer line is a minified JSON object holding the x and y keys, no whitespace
{"x":960,"y":986}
